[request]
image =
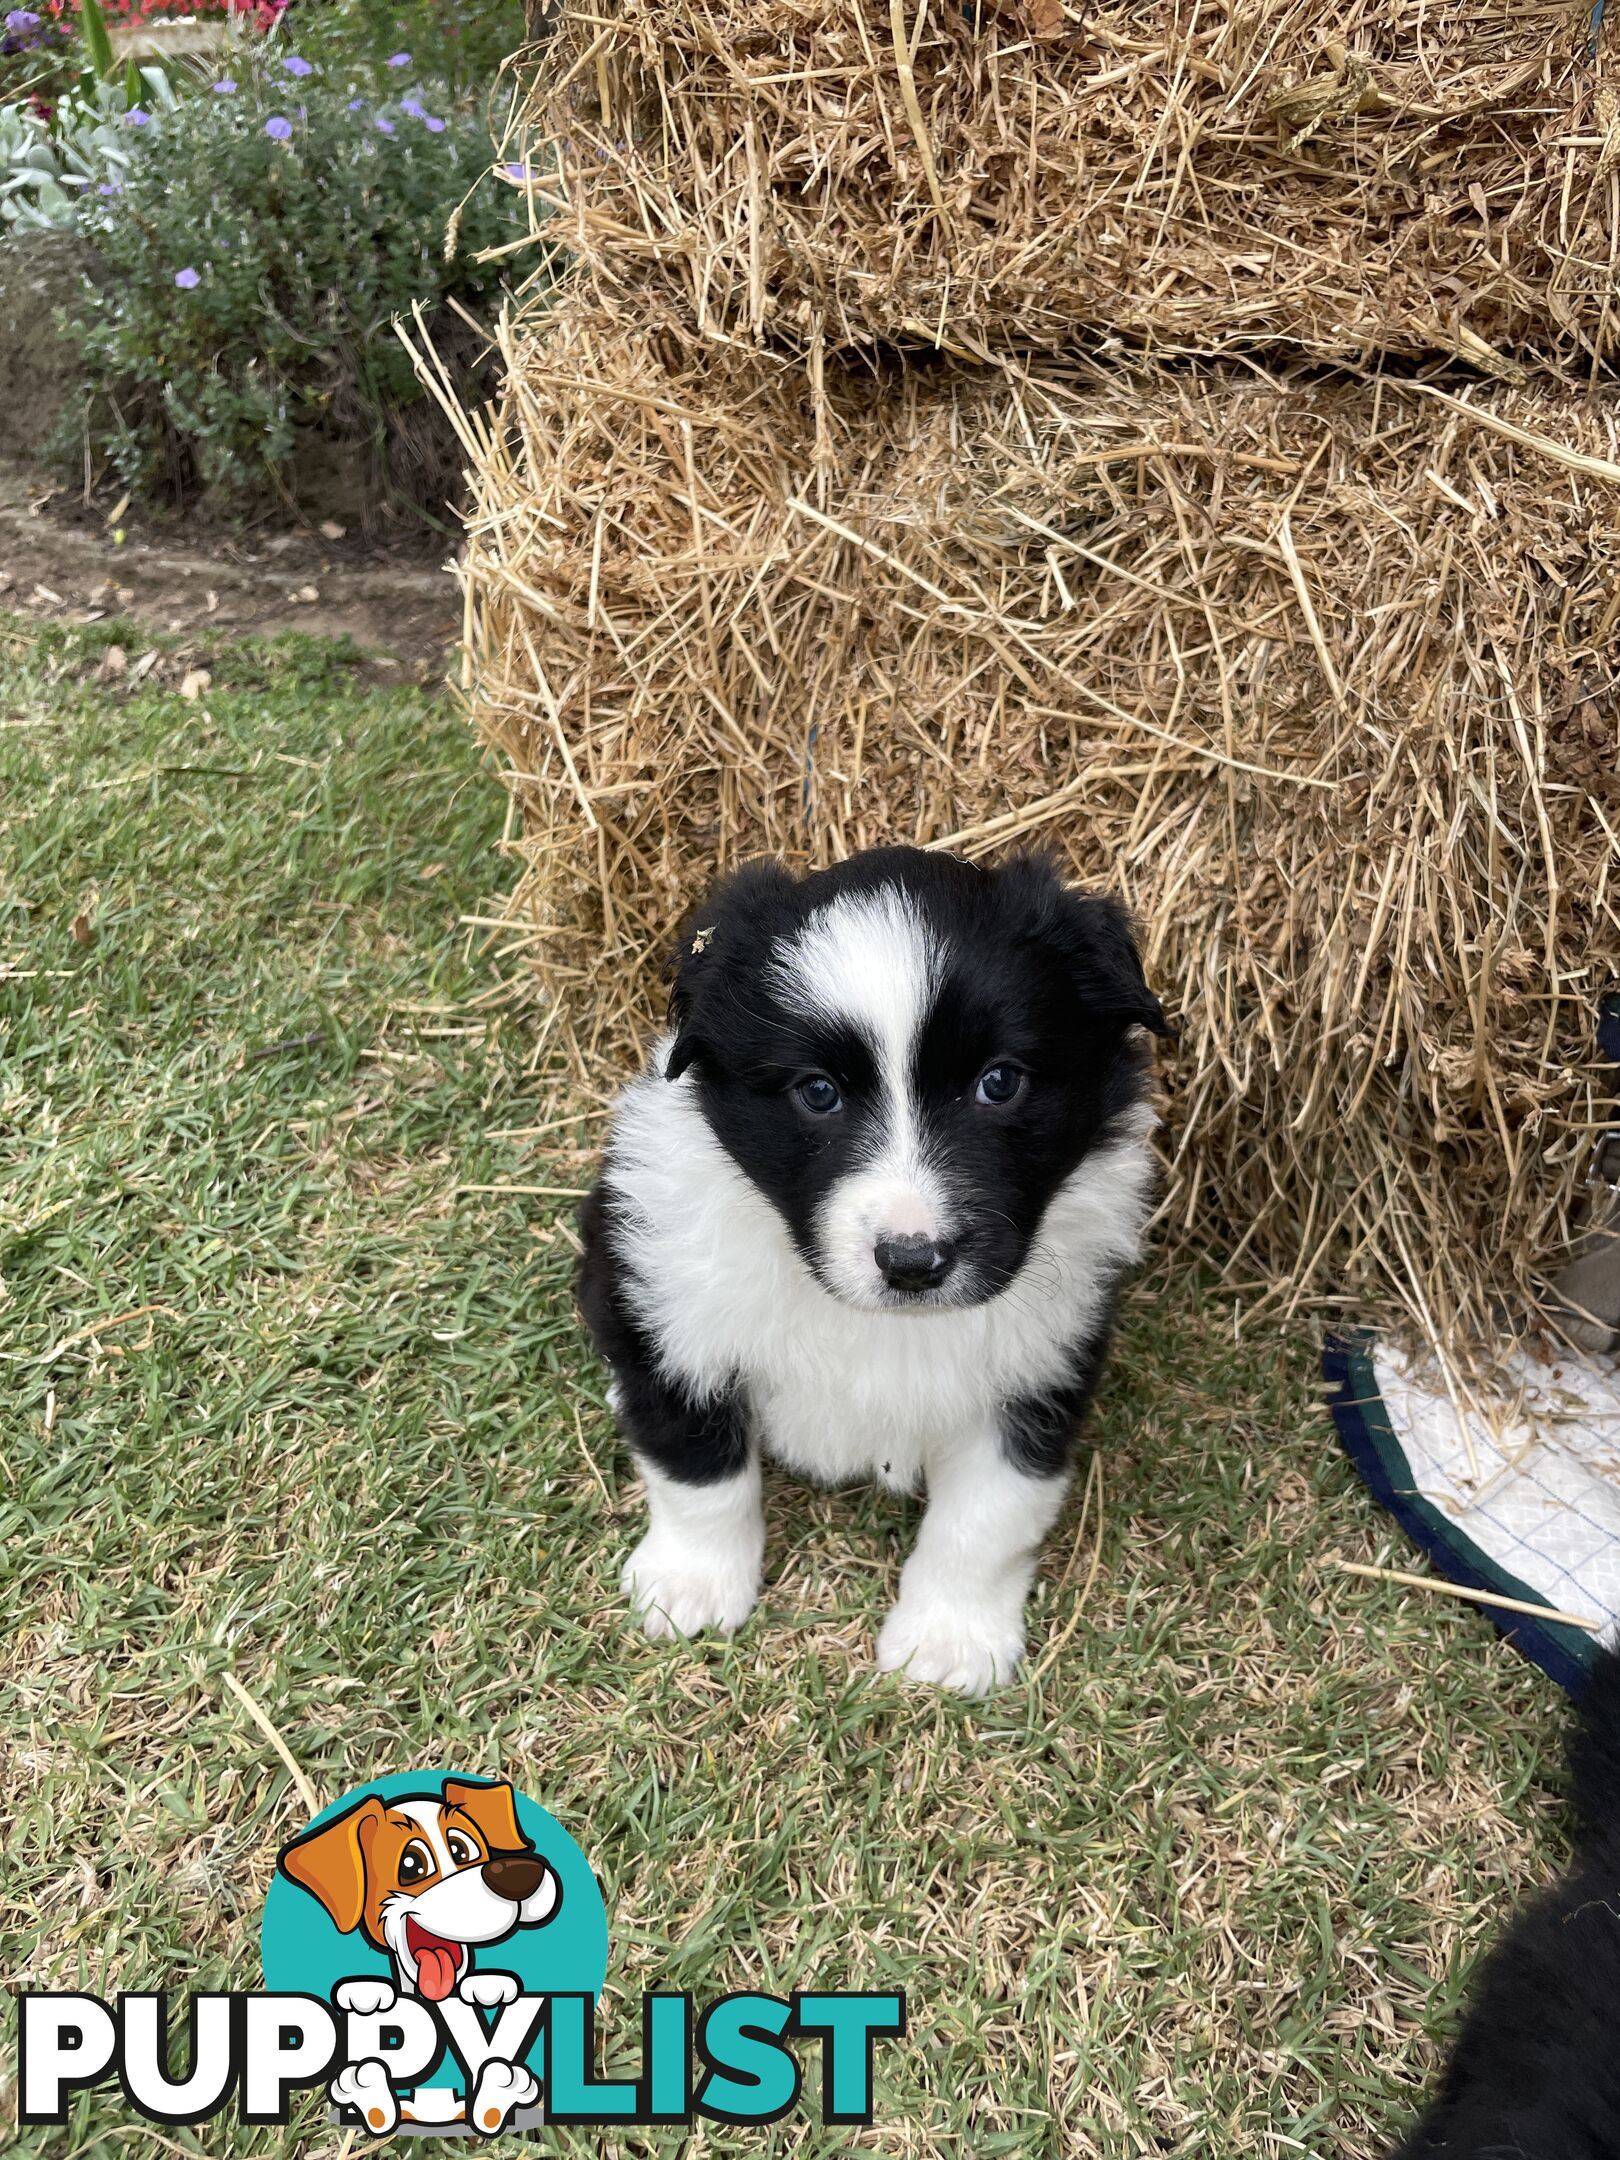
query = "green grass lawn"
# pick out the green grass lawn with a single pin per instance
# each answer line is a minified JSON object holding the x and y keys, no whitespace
{"x":286,"y":1399}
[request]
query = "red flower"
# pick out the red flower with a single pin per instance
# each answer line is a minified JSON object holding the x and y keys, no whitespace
{"x":124,"y":12}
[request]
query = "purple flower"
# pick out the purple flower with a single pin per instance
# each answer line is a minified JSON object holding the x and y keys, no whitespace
{"x":225,"y":87}
{"x":109,"y":187}
{"x":22,"y":19}
{"x":517,"y":172}
{"x":384,"y":127}
{"x":188,"y":279}
{"x":413,"y":106}
{"x":277,"y":128}
{"x":434,"y":127}
{"x":399,"y":59}
{"x":355,"y":104}
{"x":136,"y":117}
{"x":296,"y":64}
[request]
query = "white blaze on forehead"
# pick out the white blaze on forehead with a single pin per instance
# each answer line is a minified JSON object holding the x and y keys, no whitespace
{"x":870,"y":962}
{"x":428,"y":1814}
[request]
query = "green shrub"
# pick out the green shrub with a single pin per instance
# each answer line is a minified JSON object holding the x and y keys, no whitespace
{"x":461,"y":42}
{"x":253,"y":256}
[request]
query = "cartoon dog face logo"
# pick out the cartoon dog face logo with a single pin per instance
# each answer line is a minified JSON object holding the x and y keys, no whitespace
{"x":428,"y":1878}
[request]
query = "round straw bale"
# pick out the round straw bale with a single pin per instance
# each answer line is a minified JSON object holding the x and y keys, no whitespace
{"x":1345,"y":178}
{"x":1320,"y":679}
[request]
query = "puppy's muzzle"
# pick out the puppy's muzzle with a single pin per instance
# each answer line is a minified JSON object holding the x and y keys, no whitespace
{"x":514,"y":1876}
{"x":912,"y":1263}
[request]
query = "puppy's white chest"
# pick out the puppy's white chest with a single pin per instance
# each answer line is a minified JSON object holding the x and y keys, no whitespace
{"x":864,"y":1412}
{"x":839,"y":1394}
{"x":829,"y":1451}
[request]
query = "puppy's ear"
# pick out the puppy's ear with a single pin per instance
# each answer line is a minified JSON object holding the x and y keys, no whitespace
{"x":492,"y":1812}
{"x":1092,"y":935}
{"x":726,"y":934}
{"x":330,"y":1862}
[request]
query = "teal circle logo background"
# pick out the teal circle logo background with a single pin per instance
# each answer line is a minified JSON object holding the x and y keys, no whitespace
{"x":304,"y":1953}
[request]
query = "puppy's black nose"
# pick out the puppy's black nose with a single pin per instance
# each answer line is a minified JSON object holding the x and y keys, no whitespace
{"x":514,"y":1875}
{"x":912,"y":1263}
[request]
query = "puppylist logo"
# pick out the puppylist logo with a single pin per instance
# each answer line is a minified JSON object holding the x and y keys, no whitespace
{"x":433,"y":1952}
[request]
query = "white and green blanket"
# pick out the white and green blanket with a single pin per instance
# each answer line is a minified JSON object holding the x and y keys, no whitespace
{"x":1523,"y":1501}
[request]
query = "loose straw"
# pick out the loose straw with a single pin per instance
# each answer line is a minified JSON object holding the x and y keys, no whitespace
{"x":306,"y":1791}
{"x":1476,"y":1597}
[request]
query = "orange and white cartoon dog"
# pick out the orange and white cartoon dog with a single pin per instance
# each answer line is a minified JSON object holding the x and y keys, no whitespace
{"x":428,"y":1878}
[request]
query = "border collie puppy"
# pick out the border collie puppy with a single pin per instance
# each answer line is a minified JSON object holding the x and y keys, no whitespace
{"x":866,"y":1211}
{"x":1535,"y":2074}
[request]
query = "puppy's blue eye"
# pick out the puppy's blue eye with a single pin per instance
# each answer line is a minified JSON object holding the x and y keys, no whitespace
{"x":998,"y":1084}
{"x":819,"y":1094}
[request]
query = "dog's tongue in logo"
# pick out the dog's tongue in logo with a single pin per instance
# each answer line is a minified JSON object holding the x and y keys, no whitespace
{"x":437,"y":1962}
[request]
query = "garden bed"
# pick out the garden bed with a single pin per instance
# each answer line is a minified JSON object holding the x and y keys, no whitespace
{"x":259,"y":209}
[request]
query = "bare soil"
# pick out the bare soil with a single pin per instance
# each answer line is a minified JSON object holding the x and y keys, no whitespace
{"x":60,"y":561}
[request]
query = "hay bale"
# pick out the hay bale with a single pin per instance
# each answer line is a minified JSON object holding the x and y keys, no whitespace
{"x":1320,"y":679}
{"x":1353,"y":178}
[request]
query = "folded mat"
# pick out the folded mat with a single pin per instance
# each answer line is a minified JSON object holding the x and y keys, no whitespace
{"x":1523,"y":1501}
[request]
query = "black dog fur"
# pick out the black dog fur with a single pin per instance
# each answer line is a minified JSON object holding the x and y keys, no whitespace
{"x":1535,"y":2073}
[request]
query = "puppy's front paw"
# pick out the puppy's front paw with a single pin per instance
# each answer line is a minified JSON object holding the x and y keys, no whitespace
{"x":678,"y":1589}
{"x":364,"y":2087}
{"x":952,"y":1644}
{"x":366,"y":1998}
{"x":501,"y":2088}
{"x":489,"y":1990}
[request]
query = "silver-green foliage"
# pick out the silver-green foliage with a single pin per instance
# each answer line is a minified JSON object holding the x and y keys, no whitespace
{"x":49,"y":166}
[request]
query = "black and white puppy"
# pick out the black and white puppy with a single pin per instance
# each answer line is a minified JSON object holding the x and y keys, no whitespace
{"x":867,"y":1211}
